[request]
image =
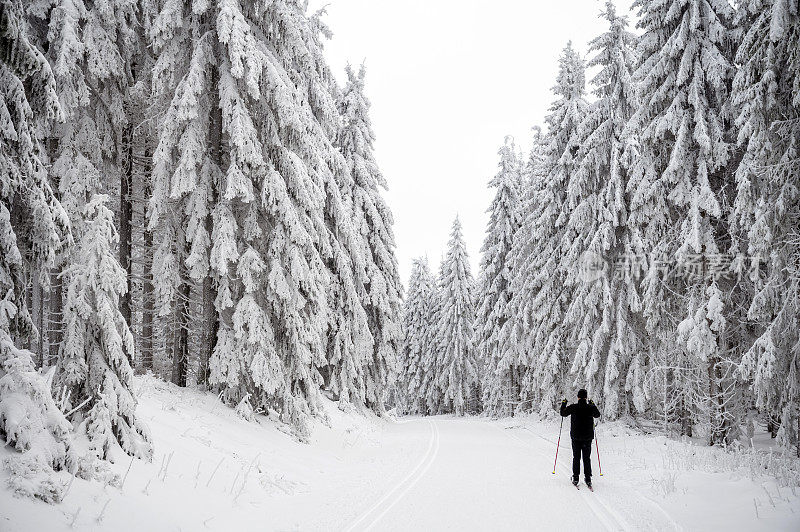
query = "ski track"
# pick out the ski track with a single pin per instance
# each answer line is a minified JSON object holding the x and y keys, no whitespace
{"x":607,"y":516}
{"x":411,"y":484}
{"x":620,"y":520}
{"x":607,"y":519}
{"x":390,"y":499}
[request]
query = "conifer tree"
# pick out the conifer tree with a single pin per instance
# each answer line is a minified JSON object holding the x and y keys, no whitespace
{"x":431,"y":390}
{"x":280,"y":247}
{"x":454,"y":334}
{"x":601,"y":315}
{"x":684,"y":74}
{"x":766,"y":213}
{"x":539,"y":295}
{"x":417,"y":354}
{"x":32,"y":227}
{"x":95,"y":363}
{"x":514,"y":329}
{"x":381,"y":287}
{"x":498,"y":360}
{"x":91,"y":46}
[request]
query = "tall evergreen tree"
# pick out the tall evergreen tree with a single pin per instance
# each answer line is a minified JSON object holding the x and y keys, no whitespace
{"x":417,"y":353}
{"x":381,"y":287}
{"x":92,"y":46}
{"x":32,"y":226}
{"x":539,"y":294}
{"x":766,"y":214}
{"x":684,"y":75}
{"x":601,"y":314}
{"x":280,"y":247}
{"x":533,"y":176}
{"x":433,"y":363}
{"x":498,"y":360}
{"x":454,"y":333}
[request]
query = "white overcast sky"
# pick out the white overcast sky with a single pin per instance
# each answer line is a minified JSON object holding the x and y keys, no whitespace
{"x":448,"y":80}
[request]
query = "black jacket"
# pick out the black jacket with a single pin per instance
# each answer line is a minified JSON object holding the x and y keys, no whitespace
{"x":582,"y":424}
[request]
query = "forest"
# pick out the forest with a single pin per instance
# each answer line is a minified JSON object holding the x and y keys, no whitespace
{"x":187,"y":191}
{"x":648,"y":247}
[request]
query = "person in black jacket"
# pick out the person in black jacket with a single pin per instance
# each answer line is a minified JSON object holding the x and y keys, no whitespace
{"x":581,"y":431}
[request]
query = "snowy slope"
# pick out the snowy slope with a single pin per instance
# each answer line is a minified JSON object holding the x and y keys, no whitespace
{"x":215,"y":471}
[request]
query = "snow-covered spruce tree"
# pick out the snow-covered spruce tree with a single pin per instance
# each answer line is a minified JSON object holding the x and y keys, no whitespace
{"x":91,"y":47}
{"x":372,"y":223}
{"x":601,"y":316}
{"x":500,"y":372}
{"x":32,"y":226}
{"x":533,"y":175}
{"x":766,"y":214}
{"x":535,"y":169}
{"x":683,"y":78}
{"x":433,"y":363}
{"x":187,"y":210}
{"x":454,"y":332}
{"x":280,"y":246}
{"x":539,"y":295}
{"x":95,"y":362}
{"x":416,"y":353}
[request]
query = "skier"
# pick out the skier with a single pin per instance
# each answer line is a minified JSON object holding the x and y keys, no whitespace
{"x":582,"y":433}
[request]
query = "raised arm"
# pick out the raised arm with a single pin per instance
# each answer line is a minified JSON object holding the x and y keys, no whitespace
{"x":565,"y":410}
{"x":595,"y":410}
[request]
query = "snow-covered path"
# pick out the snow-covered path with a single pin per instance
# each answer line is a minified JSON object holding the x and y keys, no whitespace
{"x":474,"y":475}
{"x":215,"y":471}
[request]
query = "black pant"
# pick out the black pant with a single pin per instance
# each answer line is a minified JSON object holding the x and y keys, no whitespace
{"x":581,"y":447}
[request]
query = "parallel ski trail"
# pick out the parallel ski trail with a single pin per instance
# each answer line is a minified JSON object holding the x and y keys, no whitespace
{"x":608,"y":521}
{"x":410,"y":484}
{"x":391,"y":497}
{"x":609,"y":508}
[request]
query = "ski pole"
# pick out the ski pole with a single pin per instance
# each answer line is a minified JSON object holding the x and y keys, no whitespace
{"x":597,"y":446}
{"x":558,"y":445}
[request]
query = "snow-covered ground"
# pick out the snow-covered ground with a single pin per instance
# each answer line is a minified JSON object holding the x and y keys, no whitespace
{"x":214,"y":471}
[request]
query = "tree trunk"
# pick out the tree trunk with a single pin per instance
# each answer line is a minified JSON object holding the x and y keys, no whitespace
{"x":210,"y":329}
{"x":210,"y":316}
{"x":712,"y":410}
{"x":125,"y":217}
{"x":180,"y":353}
{"x":55,"y":301}
{"x":148,"y":303}
{"x":29,"y":283}
{"x":686,"y":423}
{"x":37,"y":315}
{"x":54,"y":317}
